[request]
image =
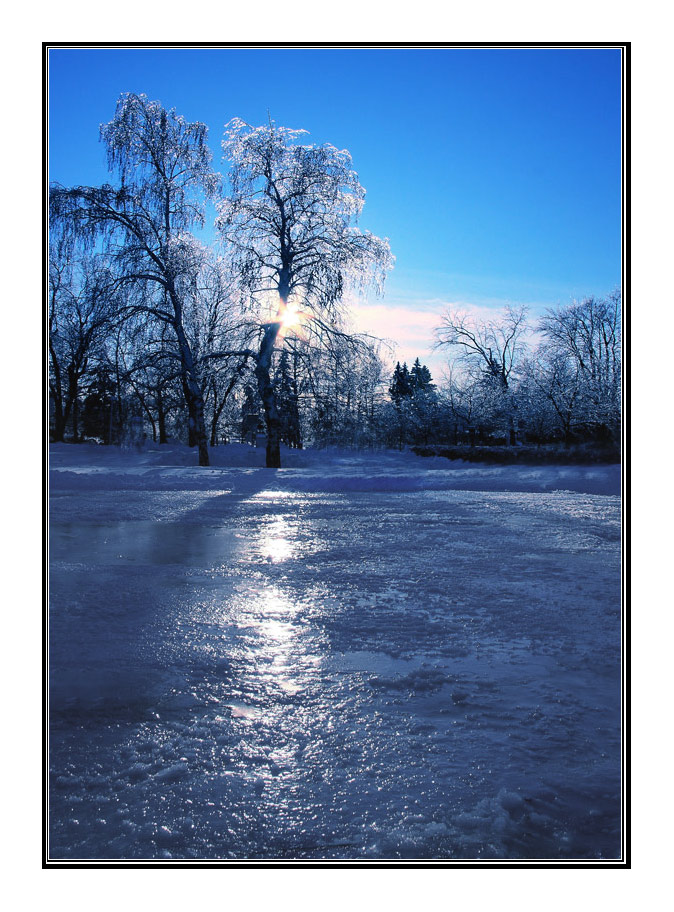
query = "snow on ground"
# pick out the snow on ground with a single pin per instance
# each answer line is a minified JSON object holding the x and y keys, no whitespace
{"x":358,"y":656}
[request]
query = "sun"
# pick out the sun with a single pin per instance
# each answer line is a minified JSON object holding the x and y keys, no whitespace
{"x":291,"y":318}
{"x":293,"y":321}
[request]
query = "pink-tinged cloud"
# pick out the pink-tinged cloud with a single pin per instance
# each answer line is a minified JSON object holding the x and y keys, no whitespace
{"x":396,"y":323}
{"x":411,"y":330}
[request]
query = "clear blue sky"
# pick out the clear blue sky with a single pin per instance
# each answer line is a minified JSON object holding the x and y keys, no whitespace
{"x":495,"y":173}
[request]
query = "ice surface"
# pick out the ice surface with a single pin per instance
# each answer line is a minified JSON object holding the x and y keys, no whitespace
{"x":357,"y":656}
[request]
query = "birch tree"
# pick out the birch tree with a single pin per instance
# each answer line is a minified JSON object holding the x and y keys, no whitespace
{"x":290,"y":222}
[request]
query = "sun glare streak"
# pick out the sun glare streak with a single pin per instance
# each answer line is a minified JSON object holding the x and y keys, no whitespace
{"x":289,"y":315}
{"x":293,"y":320}
{"x":292,"y":317}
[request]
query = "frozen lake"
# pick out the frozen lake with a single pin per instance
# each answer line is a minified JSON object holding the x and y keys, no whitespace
{"x":351,"y":658}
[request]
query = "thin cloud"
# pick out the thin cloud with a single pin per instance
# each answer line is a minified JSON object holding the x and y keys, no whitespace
{"x":411,"y":330}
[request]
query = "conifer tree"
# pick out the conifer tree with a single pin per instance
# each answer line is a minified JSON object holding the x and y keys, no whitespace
{"x":420,"y":377}
{"x":401,"y":386}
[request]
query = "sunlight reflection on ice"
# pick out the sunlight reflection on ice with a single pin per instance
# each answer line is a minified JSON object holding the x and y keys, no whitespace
{"x":274,"y":542}
{"x":275,"y":649}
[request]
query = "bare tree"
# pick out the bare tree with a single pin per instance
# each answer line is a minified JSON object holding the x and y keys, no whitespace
{"x":461,"y":399}
{"x":552,"y":392}
{"x":340,"y":386}
{"x":81,"y":310}
{"x":220,"y":334}
{"x":147,"y":372}
{"x":584,"y":345}
{"x":493,"y":346}
{"x":289,"y":220}
{"x":494,"y":343}
{"x":164,"y":174}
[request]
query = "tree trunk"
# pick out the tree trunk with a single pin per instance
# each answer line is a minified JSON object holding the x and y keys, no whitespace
{"x":268,"y":396}
{"x":71,"y":405}
{"x":57,"y":396}
{"x":217,"y":411}
{"x":191,"y":421}
{"x":216,"y":414}
{"x":196,"y":421}
{"x":193,"y":394}
{"x":76,"y":430}
{"x":513,"y":422}
{"x":161,"y":418}
{"x":59,"y":422}
{"x":191,"y":417}
{"x":148,"y":412}
{"x":202,"y":440}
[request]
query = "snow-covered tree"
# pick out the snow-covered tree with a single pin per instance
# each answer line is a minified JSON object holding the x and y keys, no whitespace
{"x":494,"y":344}
{"x":285,"y":383}
{"x":82,"y":305}
{"x":219,"y":333}
{"x":550,"y":397}
{"x":164,"y":175}
{"x":148,"y":376}
{"x":251,"y":414}
{"x":584,"y":361}
{"x":290,"y":221}
{"x":401,"y":385}
{"x":412,"y":393}
{"x":420,"y":378}
{"x":493,"y":348}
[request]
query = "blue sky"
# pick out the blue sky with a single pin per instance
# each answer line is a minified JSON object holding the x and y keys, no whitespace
{"x":494,"y":172}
